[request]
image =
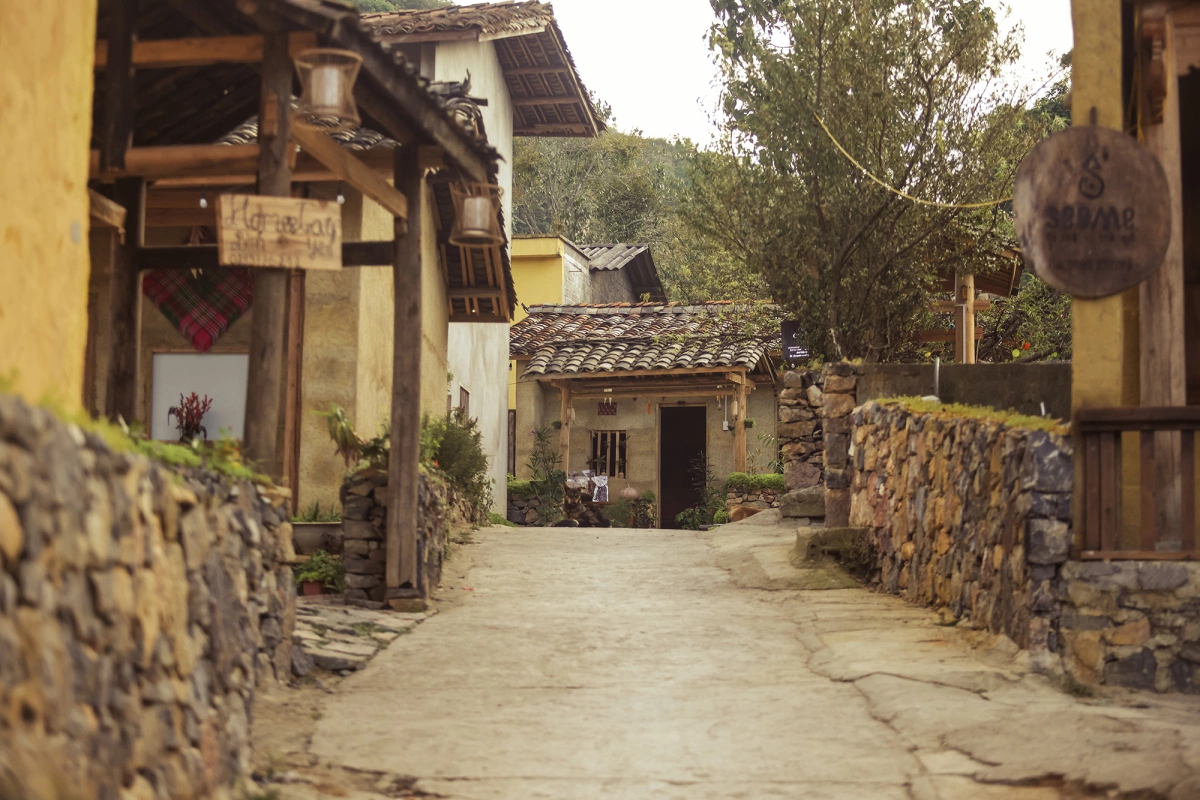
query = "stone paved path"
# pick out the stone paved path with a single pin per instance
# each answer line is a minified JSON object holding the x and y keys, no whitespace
{"x":623,"y":664}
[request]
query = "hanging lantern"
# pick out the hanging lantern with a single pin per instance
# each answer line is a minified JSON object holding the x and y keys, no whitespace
{"x":477,"y":215}
{"x":630,"y":493}
{"x":327,"y":79}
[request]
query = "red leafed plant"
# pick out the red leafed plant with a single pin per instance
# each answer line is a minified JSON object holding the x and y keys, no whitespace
{"x":189,"y":416}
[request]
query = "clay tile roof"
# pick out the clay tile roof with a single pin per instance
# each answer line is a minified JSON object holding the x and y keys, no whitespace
{"x":624,"y":337}
{"x":636,"y":258}
{"x":487,"y":18}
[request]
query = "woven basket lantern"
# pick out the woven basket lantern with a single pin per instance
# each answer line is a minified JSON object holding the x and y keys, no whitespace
{"x":327,"y":78}
{"x":477,"y":215}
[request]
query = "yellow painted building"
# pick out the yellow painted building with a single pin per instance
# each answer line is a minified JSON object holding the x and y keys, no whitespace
{"x":45,"y":110}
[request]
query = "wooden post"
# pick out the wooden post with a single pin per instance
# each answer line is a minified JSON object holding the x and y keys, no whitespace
{"x":1161,"y":318}
{"x":295,"y":395}
{"x":739,"y":431}
{"x":122,"y":383}
{"x":403,"y":580}
{"x":964,"y":319}
{"x":265,"y":390}
{"x":564,"y":433}
{"x":117,"y":123}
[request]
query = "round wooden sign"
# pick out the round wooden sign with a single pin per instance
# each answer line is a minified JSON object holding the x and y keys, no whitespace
{"x":1092,"y":211}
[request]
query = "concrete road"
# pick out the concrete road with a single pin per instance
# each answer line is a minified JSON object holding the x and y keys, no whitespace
{"x":625,"y":664}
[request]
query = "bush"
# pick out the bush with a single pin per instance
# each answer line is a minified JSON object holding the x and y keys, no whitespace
{"x":499,"y":519}
{"x":453,"y":445}
{"x":314,"y":513}
{"x":721,"y":517}
{"x":520,"y":490}
{"x":741,"y":482}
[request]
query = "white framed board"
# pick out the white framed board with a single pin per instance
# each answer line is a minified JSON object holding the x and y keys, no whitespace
{"x":221,"y":376}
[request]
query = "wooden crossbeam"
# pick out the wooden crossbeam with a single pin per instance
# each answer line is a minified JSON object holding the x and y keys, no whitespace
{"x":185,"y":160}
{"x":950,"y":305}
{"x":348,"y":168}
{"x":641,"y":373}
{"x":204,"y":256}
{"x":537,"y":70}
{"x":479,"y":318}
{"x":200,"y":51}
{"x":107,"y":213}
{"x":546,"y":101}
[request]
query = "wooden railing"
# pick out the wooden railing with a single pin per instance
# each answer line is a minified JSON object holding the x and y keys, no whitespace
{"x":1102,"y":430}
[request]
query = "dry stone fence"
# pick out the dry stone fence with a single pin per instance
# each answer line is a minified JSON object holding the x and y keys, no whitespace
{"x":141,"y":611}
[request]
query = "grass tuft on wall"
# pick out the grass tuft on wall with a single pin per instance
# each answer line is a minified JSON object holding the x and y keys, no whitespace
{"x":1011,"y":418}
{"x":745,"y":482}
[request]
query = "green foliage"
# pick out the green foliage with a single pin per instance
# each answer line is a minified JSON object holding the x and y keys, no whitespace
{"x":743,"y":482}
{"x":355,"y":450}
{"x":712,"y":498}
{"x":721,"y":517}
{"x":547,"y":479}
{"x":453,"y":445}
{"x":623,"y":187}
{"x":324,"y":569}
{"x":520,"y":490}
{"x":314,"y":513}
{"x":638,"y":513}
{"x":1010,"y":417}
{"x":914,"y":92}
{"x":500,"y":519}
{"x":766,"y":455}
{"x":1035,"y":325}
{"x":377,"y":6}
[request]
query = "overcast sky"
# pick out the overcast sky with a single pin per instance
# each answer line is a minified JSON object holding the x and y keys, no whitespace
{"x":649,"y":60}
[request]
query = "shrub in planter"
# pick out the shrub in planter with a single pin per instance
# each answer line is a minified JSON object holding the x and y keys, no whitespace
{"x":321,"y":571}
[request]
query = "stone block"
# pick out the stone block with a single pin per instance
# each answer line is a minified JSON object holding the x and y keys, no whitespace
{"x":838,"y":384}
{"x":12,"y":535}
{"x":838,"y":405}
{"x":363,"y":581}
{"x":793,"y":379}
{"x":837,"y":425}
{"x":800,"y":475}
{"x":1190,"y":652}
{"x":1048,"y":465}
{"x":800,"y":503}
{"x":363,"y":566}
{"x":360,"y":529}
{"x":356,"y":548}
{"x":793,"y":397}
{"x":1161,"y":576}
{"x":837,"y":479}
{"x":795,"y":414}
{"x":1136,"y":671}
{"x":355,"y":507}
{"x":837,"y":508}
{"x":837,"y":450}
{"x":1131,"y":633}
{"x":1047,"y":541}
{"x":816,"y":398}
{"x":1085,"y":622}
{"x":796,"y":430}
{"x":840,"y":369}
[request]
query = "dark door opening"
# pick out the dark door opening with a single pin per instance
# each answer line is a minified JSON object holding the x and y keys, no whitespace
{"x":682,"y":435}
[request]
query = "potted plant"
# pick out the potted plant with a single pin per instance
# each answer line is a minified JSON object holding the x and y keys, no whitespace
{"x":322,"y":571}
{"x":749,"y":422}
{"x":316,"y":529}
{"x":189,"y":416}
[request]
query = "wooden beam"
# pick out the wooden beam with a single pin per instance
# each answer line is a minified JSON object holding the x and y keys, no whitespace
{"x":265,"y":389}
{"x":204,"y":256}
{"x":943,"y":306}
{"x":203,"y":50}
{"x":348,"y":168}
{"x":116,"y":125}
{"x":457,"y":292}
{"x":402,"y":572}
{"x":644,"y":373}
{"x":547,"y":101}
{"x":107,"y":213}
{"x":536,"y":70}
{"x":125,"y":308}
{"x":182,"y":161}
{"x":479,"y":318}
{"x":564,"y":431}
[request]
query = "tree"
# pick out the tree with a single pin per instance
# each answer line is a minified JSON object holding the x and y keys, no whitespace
{"x":623,"y":187}
{"x":912,"y":89}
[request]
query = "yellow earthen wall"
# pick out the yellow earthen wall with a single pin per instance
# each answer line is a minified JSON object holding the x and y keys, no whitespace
{"x":45,"y":119}
{"x":435,"y":312}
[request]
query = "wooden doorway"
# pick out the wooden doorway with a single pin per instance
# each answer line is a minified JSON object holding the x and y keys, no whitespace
{"x":682,"y":441}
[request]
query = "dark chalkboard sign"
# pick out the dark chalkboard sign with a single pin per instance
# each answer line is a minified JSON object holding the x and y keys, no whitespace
{"x":794,"y":353}
{"x":1093,"y":211}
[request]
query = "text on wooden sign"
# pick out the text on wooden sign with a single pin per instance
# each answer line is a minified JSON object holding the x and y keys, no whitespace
{"x":278,"y":232}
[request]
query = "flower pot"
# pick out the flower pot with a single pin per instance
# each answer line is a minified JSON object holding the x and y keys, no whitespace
{"x":309,"y":537}
{"x":310,"y":588}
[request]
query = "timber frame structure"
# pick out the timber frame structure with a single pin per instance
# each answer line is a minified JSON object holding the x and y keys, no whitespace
{"x":172,"y":76}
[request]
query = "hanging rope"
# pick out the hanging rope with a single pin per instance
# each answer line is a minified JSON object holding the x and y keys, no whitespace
{"x":893,"y":189}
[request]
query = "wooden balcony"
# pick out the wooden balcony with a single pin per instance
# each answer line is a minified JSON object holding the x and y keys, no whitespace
{"x":1163,"y":474}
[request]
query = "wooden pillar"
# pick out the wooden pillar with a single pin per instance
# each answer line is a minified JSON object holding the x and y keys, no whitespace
{"x":564,"y":433}
{"x":122,"y":383}
{"x":116,"y":127}
{"x":403,"y":580}
{"x":1163,"y":360}
{"x":964,"y":319}
{"x":265,"y":390}
{"x":739,"y":431}
{"x":294,"y":409}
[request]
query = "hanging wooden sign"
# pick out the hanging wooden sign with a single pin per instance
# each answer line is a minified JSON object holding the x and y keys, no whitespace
{"x":794,"y":353}
{"x":1093,"y":211}
{"x":280,"y":232}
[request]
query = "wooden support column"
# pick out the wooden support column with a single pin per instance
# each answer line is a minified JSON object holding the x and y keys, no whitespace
{"x":265,"y":391}
{"x":1161,"y":317}
{"x":564,"y":433}
{"x":402,"y":574}
{"x":125,"y":306}
{"x":295,"y":395}
{"x":739,"y":430}
{"x":964,"y":319}
{"x":116,"y":128}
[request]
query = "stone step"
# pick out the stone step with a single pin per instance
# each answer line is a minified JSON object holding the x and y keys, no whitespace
{"x":800,"y":503}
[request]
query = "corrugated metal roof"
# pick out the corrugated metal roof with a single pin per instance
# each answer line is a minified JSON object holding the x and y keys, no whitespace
{"x":612,"y":256}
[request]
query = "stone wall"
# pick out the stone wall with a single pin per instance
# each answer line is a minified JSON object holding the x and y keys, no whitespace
{"x":1023,"y":387}
{"x":140,"y":612}
{"x":799,"y":431}
{"x":364,"y":534}
{"x":755,"y":498}
{"x":967,"y":515}
{"x":1131,"y":623}
{"x":840,"y":383}
{"x":523,"y":510}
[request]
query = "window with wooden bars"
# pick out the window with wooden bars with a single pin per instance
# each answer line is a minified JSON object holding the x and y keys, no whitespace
{"x":608,"y":453}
